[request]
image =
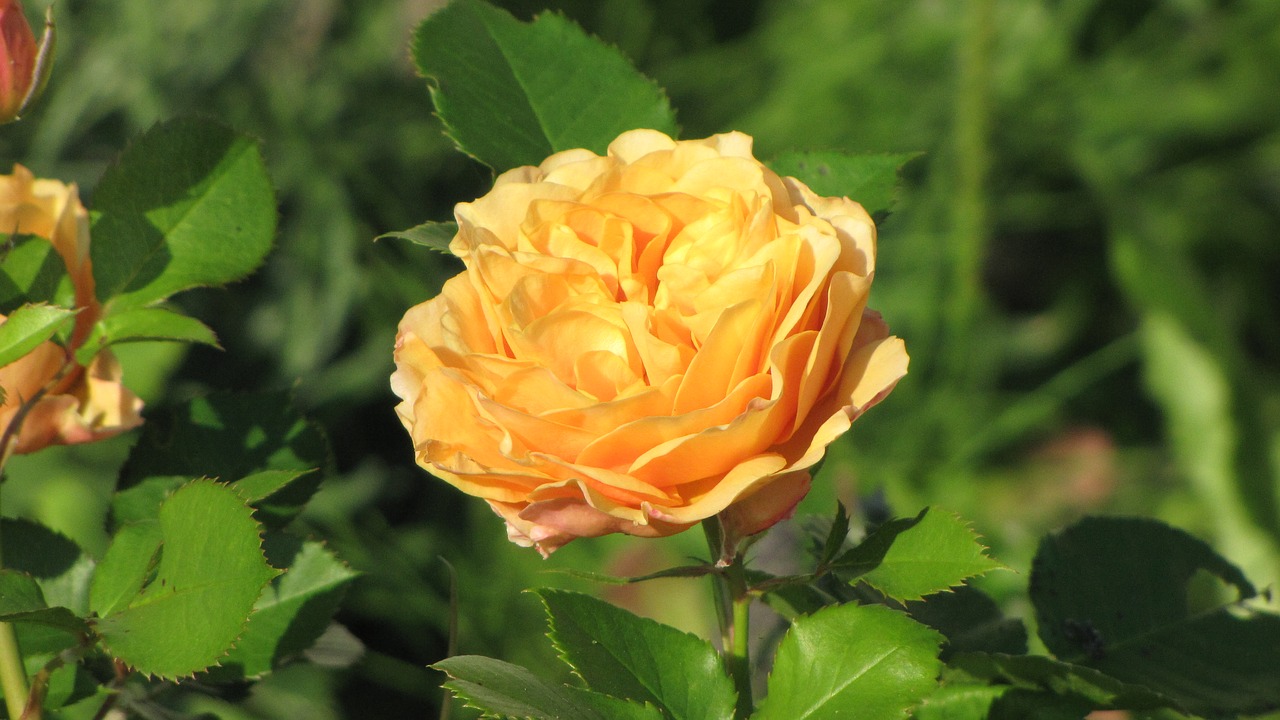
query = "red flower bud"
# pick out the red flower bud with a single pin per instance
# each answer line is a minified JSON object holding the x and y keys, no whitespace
{"x":24,"y":65}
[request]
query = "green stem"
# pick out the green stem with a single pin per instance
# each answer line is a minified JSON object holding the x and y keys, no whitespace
{"x":738,"y":656}
{"x":733,"y":610}
{"x":446,"y":704}
{"x":13,"y":674}
{"x":711,"y":528}
{"x":13,"y":677}
{"x":970,"y":211}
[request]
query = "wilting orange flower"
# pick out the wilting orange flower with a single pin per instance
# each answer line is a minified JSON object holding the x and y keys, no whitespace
{"x":644,"y":340}
{"x":83,"y":403}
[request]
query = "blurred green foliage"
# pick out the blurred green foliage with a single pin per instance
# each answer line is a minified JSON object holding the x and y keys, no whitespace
{"x":1084,"y":264}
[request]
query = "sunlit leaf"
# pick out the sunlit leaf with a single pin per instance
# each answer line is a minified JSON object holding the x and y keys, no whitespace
{"x":512,"y":93}
{"x":999,"y":702}
{"x":142,"y":500}
{"x":189,"y":204}
{"x":145,"y":323}
{"x":192,"y":607}
{"x":863,"y":661}
{"x":871,"y":180}
{"x":132,"y":557}
{"x":907,"y":559}
{"x":29,"y":326}
{"x":295,"y":609}
{"x":31,"y":271}
{"x":433,"y":235}
{"x":627,"y":656}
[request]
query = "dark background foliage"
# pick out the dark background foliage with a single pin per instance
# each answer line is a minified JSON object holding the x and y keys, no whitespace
{"x":1084,"y":264}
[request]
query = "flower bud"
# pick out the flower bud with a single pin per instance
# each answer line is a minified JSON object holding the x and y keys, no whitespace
{"x":24,"y":65}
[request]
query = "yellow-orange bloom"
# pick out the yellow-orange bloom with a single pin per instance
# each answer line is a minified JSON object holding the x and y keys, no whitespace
{"x":644,"y":340}
{"x":80,"y":404}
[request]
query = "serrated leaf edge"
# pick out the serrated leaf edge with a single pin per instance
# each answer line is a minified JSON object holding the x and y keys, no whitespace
{"x":243,"y":625}
{"x":253,"y":142}
{"x":450,"y":131}
{"x":561,"y":651}
{"x":977,"y":540}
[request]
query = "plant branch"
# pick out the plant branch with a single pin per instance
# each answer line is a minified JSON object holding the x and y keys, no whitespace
{"x":738,"y":656}
{"x":733,"y":604}
{"x":13,"y":677}
{"x":13,"y":674}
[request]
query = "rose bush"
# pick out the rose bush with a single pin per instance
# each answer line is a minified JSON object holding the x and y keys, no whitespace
{"x":78,"y":404}
{"x":643,"y":340}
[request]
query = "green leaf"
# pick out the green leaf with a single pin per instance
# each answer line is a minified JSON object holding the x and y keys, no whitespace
{"x":908,"y":559}
{"x":210,"y":572}
{"x":145,"y":323}
{"x":29,"y":326}
{"x":228,"y":436}
{"x":1114,"y":593}
{"x":503,"y":690}
{"x":860,"y":661}
{"x":68,"y":685}
{"x":263,"y":484}
{"x":61,"y":571}
{"x":433,"y":235}
{"x":792,"y":600}
{"x":1081,"y":684}
{"x":295,"y":609}
{"x":142,"y":500}
{"x":59,"y":566}
{"x":512,"y":93}
{"x":21,"y":601}
{"x":967,"y":702}
{"x":681,"y":571}
{"x":837,"y":534}
{"x":871,"y":180}
{"x":129,"y":563}
{"x":336,"y":648}
{"x":999,"y":702}
{"x":971,"y":621}
{"x":31,"y":271}
{"x":189,"y":204}
{"x":278,"y":496}
{"x":620,"y":654}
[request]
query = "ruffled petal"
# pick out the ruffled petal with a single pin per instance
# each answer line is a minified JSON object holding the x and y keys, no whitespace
{"x":645,"y":339}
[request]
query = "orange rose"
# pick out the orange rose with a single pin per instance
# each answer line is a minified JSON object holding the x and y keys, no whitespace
{"x":80,"y":404}
{"x":644,"y":340}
